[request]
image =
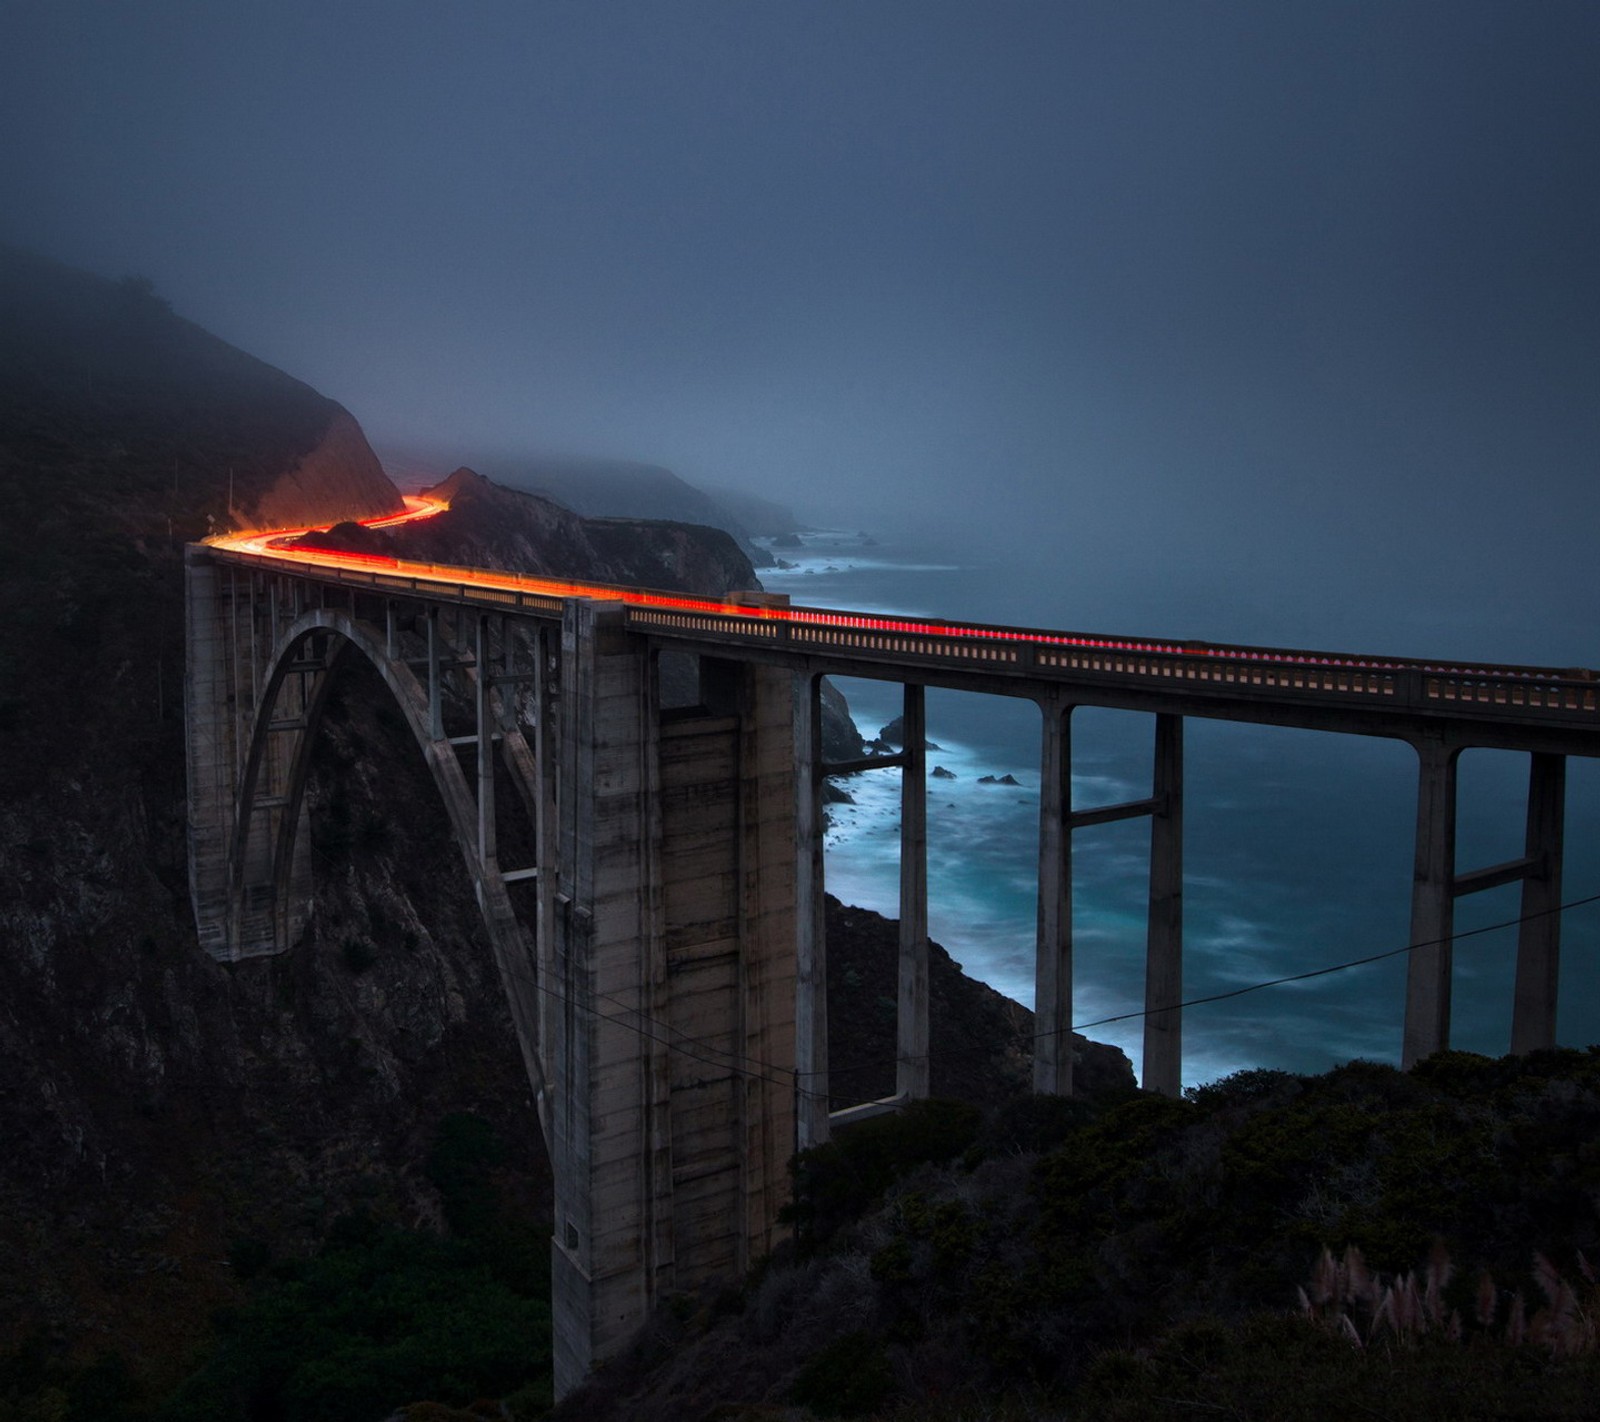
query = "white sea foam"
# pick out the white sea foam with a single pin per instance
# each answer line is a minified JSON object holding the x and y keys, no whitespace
{"x":1297,"y":856}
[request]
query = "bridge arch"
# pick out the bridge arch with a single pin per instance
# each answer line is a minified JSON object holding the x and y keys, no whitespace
{"x":268,"y":863}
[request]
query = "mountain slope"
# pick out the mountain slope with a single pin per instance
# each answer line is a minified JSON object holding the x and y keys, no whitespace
{"x":164,"y":1117}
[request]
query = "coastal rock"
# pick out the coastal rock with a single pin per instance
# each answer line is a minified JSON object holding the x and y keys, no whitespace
{"x":982,"y":1041}
{"x":940,"y":773}
{"x":841,"y":738}
{"x":894,"y":735}
{"x":1007,"y":779}
{"x":614,"y":488}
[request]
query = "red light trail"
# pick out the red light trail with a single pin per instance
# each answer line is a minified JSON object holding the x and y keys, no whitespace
{"x":271,"y":543}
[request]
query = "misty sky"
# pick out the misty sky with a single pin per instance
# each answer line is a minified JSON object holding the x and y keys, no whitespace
{"x":1258,"y":320}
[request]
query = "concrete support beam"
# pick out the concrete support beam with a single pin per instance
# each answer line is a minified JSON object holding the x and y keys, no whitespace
{"x":599,"y":1055}
{"x":672,"y":1111}
{"x":811,"y":940}
{"x":911,"y":1056}
{"x":1533,"y":1021}
{"x":1052,"y":994}
{"x":209,"y":730}
{"x":1427,"y":1021}
{"x":1163,"y":989}
{"x":766,"y":958}
{"x":488,"y":848}
{"x":546,"y":820}
{"x":435,"y":691}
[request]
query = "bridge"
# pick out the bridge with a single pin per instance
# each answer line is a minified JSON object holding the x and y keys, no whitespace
{"x":663,"y":949}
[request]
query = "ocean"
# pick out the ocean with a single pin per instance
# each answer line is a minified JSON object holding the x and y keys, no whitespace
{"x":1297,"y":844}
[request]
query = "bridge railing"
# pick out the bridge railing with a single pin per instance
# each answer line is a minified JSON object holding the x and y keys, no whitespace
{"x":1470,"y":689}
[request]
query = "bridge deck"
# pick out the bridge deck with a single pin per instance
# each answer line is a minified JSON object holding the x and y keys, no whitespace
{"x":1516,"y":707}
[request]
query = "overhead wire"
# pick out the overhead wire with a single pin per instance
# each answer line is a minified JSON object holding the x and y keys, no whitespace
{"x":1324,"y":971}
{"x":733,"y":1060}
{"x":732,"y":1063}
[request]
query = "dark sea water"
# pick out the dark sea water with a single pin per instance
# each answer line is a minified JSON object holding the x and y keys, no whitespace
{"x":1297,"y":844}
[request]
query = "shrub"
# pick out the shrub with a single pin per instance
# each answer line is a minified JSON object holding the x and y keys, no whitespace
{"x":838,"y":1181}
{"x":848,"y":1378}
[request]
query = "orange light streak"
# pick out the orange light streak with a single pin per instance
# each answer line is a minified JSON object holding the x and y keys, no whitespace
{"x":269,"y":543}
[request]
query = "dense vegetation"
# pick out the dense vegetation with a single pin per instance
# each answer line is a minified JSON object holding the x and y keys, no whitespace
{"x":1144,"y":1257}
{"x":378,"y":1318}
{"x":1132,"y":1257}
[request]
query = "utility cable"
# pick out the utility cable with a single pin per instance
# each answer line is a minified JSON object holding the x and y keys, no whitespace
{"x":1322,"y":972}
{"x":733,"y":1061}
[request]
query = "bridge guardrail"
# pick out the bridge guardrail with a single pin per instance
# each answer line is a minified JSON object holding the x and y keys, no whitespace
{"x":1472,"y":690}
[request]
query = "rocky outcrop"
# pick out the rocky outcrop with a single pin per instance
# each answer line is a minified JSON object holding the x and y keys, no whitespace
{"x":894,"y":734}
{"x":338,"y":478}
{"x":488,"y":525}
{"x":981,"y":1041}
{"x":841,"y":739}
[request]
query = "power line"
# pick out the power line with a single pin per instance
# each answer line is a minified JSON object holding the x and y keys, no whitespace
{"x":1321,"y":972}
{"x":733,"y":1063}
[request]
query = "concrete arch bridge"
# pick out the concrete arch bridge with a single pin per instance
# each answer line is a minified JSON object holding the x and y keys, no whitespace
{"x":663,"y":952}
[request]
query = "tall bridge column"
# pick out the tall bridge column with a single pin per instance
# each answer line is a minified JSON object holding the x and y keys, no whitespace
{"x":211,"y":746}
{"x":606,"y":1057}
{"x":911,"y":1057}
{"x":1163,"y":984}
{"x":811,"y":939}
{"x":1437,"y":886}
{"x":245,"y":727}
{"x":672,"y":1027}
{"x":1433,"y":890}
{"x":1052,"y":992}
{"x":1533,"y":1020}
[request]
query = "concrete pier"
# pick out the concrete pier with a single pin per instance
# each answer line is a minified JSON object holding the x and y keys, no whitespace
{"x":1533,"y":1019}
{"x":811,"y":936}
{"x":1163,"y":983}
{"x":1427,"y":1016}
{"x":1052,"y":993}
{"x":673,"y":1095}
{"x":911,"y":1056}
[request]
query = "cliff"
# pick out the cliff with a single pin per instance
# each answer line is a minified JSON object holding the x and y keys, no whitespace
{"x":980,"y":1040}
{"x":338,"y":478}
{"x":160,"y":1113}
{"x":109,"y":400}
{"x":488,"y":525}
{"x":616,"y":488}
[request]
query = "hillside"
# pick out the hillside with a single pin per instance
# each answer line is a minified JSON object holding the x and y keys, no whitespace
{"x":1144,"y":1258}
{"x":302,"y":1186}
{"x":615,"y":489}
{"x":174,"y":1127}
{"x":488,"y":525}
{"x":160,"y":1111}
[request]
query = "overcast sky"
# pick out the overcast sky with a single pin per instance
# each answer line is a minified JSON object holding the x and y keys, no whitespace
{"x":1296,"y":298}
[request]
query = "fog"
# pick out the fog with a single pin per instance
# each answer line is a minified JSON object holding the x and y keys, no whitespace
{"x":1279,"y":320}
{"x":1241,"y":321}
